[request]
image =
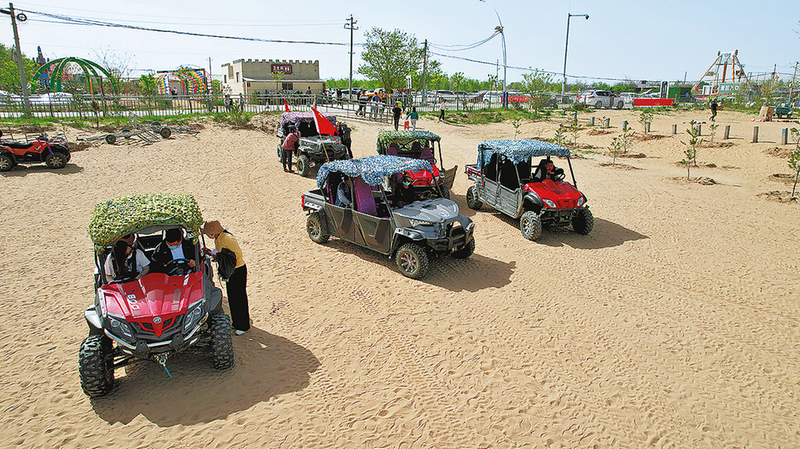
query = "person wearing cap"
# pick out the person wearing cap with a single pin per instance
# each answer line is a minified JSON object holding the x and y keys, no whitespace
{"x":237,"y":282}
{"x":289,"y":145}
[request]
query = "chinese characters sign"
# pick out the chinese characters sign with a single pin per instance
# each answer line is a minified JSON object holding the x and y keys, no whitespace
{"x":283,"y":69}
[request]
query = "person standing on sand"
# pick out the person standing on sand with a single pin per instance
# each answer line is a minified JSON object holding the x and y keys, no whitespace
{"x":237,"y":282}
{"x":713,"y":109}
{"x":396,"y":112}
{"x":442,"y":108}
{"x":413,"y":116}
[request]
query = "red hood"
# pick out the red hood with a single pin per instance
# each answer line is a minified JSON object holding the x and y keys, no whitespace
{"x":154,"y":295}
{"x":564,"y":194}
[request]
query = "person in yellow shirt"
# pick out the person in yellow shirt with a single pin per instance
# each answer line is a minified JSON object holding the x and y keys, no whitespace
{"x":237,"y":282}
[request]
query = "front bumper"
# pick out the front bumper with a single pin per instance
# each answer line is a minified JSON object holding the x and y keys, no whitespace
{"x":457,"y":238}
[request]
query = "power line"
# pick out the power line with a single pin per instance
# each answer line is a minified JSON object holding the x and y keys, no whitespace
{"x":465,"y":47}
{"x":93,"y":22}
{"x":528,"y":69}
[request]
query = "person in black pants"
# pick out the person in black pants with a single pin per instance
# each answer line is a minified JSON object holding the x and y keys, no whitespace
{"x":396,"y":112}
{"x":237,"y":282}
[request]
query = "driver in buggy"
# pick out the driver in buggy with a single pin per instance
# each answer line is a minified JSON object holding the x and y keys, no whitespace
{"x":548,"y":170}
{"x":174,"y":252}
{"x":125,"y":262}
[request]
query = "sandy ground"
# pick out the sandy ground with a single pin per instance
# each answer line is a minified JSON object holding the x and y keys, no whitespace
{"x":673,"y":324}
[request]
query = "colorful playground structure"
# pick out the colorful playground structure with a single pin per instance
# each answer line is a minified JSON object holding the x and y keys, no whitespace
{"x":190,"y":81}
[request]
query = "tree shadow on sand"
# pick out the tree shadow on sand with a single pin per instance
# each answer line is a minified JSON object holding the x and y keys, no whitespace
{"x":266,"y":366}
{"x":471,"y":274}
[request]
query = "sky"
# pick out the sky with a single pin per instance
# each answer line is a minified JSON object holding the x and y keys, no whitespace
{"x":621,"y":40}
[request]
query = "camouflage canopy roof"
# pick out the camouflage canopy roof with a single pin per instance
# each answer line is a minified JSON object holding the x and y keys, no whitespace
{"x":118,"y":217}
{"x":371,"y":169}
{"x":518,"y":150}
{"x":403,"y":138}
{"x":296,"y":117}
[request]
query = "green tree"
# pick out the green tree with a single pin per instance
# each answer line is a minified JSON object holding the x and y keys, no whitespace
{"x":389,"y":56}
{"x":534,"y":84}
{"x":9,"y":74}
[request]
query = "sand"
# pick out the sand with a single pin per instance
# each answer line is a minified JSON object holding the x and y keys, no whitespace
{"x":673,"y":324}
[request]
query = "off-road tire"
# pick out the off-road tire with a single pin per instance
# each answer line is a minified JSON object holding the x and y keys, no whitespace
{"x":96,"y":366}
{"x":583,"y":221}
{"x":472,"y":198}
{"x":303,"y":165}
{"x":165,"y":133}
{"x":221,"y":341}
{"x":412,"y":260}
{"x":466,"y":251}
{"x":110,"y":139}
{"x":445,"y":193}
{"x":6,"y":163}
{"x":56,"y":160}
{"x":530,"y":225}
{"x":598,"y":105}
{"x":620,"y":104}
{"x":317,"y":228}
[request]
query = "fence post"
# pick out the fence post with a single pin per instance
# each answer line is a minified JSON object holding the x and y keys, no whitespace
{"x":784,"y":136}
{"x":727,"y":134}
{"x":674,"y":129}
{"x":591,"y":121}
{"x":755,"y":134}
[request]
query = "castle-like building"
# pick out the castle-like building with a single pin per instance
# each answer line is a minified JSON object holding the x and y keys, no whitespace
{"x":259,"y":75}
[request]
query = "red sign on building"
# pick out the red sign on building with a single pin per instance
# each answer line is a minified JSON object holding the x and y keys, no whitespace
{"x":282,"y":69}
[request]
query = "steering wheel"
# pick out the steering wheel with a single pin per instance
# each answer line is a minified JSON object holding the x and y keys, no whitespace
{"x":177,"y":267}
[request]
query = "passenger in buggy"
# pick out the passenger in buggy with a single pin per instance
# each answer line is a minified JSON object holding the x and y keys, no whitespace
{"x":344,"y":195}
{"x":403,"y":194}
{"x":548,"y":170}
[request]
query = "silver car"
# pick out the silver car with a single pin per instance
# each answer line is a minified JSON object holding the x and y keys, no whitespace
{"x":601,"y":99}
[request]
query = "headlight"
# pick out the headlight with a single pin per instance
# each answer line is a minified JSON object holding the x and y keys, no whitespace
{"x":120,"y":328}
{"x":193,"y":315}
{"x":550,"y":204}
{"x":416,"y":223}
{"x":581,"y":200}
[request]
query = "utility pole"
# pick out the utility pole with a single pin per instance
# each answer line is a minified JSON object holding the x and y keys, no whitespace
{"x":350,"y":25}
{"x":425,"y":73}
{"x":26,"y":105}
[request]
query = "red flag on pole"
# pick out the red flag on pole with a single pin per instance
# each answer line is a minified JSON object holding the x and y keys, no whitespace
{"x":323,"y":125}
{"x":286,"y":105}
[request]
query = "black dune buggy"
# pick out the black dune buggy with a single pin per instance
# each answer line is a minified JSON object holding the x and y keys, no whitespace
{"x":313,"y":148}
{"x":411,"y":234}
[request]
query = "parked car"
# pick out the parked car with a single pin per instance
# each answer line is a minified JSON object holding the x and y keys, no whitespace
{"x":419,"y":145}
{"x":313,"y":147}
{"x":504,"y":179}
{"x":53,"y":151}
{"x":411,"y":234}
{"x":161,"y":313}
{"x":53,"y":98}
{"x":601,"y":99}
{"x":9,"y":98}
{"x":783,"y":109}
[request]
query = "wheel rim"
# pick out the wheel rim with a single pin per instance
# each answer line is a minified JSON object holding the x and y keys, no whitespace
{"x":314,"y":228}
{"x":5,"y":164}
{"x":58,"y":161}
{"x":527,"y":226}
{"x":409,"y":262}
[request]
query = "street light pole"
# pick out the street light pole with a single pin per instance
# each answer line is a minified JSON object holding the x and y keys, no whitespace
{"x":503,"y":38}
{"x":566,"y":45}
